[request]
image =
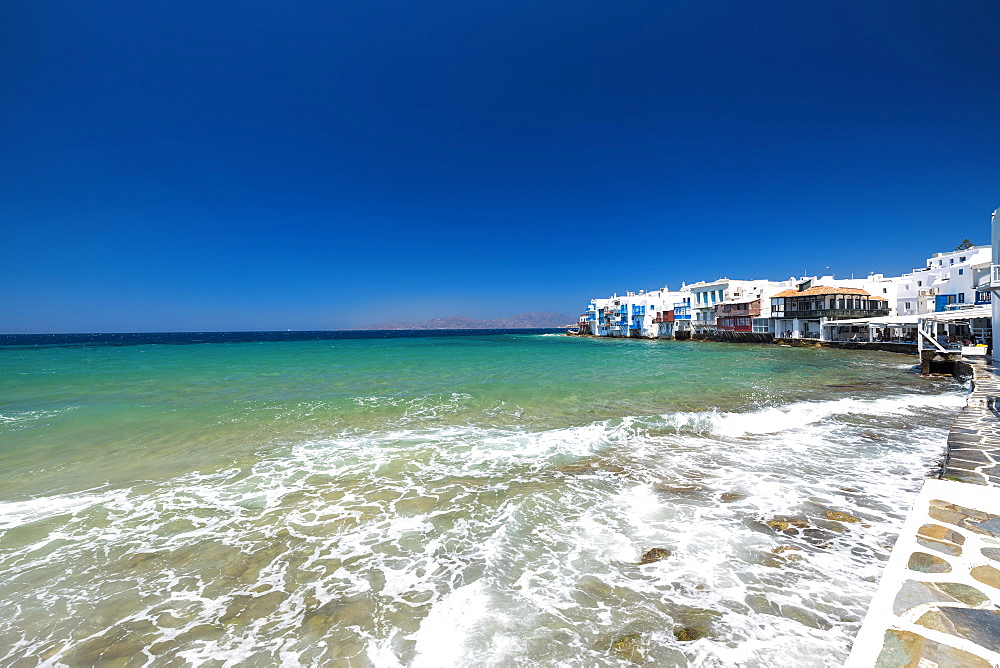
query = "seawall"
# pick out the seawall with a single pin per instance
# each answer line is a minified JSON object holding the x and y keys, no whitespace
{"x":938,"y":601}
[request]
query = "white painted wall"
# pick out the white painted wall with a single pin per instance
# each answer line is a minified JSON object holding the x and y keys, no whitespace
{"x":954,"y":272}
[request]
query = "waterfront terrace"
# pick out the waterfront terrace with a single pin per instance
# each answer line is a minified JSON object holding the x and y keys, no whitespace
{"x":798,"y":313}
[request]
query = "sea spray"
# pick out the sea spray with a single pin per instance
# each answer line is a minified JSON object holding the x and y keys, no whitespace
{"x":450,"y":521}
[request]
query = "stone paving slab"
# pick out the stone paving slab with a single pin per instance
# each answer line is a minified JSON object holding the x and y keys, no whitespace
{"x":974,"y":441}
{"x":938,"y":603}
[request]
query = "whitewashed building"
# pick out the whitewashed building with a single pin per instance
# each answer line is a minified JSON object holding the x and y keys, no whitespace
{"x":730,"y":294}
{"x":635,"y":314}
{"x":948,"y":282}
{"x":802,"y":311}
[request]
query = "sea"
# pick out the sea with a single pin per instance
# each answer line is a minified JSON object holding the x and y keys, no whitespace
{"x":469,"y":498}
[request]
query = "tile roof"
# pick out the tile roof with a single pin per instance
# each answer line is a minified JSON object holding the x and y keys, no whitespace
{"x":825,"y":290}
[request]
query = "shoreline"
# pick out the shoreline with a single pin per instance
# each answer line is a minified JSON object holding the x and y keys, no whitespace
{"x":938,"y":598}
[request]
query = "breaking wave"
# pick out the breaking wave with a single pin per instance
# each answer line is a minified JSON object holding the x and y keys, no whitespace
{"x":477,"y":544}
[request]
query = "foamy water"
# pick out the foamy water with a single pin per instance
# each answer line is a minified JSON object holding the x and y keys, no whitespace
{"x":426,"y":538}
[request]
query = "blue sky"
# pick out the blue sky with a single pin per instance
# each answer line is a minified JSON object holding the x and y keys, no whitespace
{"x":315,"y":165}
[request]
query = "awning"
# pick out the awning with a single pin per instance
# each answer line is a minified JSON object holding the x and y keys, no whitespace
{"x":884,"y":321}
{"x":960,"y":314}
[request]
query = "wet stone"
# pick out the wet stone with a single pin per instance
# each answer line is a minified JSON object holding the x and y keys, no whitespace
{"x":991,"y":553}
{"x":912,"y":594}
{"x":903,"y":648}
{"x":900,"y":648}
{"x":963,"y":593}
{"x":944,"y":548}
{"x":979,"y":626}
{"x":654,"y":555}
{"x":805,"y":617}
{"x":840,"y":517}
{"x":969,"y":456}
{"x":628,"y":647}
{"x":990,"y":526}
{"x":928,"y":563}
{"x":938,"y":532}
{"x":789,"y":525}
{"x":761,"y":605}
{"x":689,"y":633}
{"x":969,"y":518}
{"x":987,"y":575}
{"x":729,"y":497}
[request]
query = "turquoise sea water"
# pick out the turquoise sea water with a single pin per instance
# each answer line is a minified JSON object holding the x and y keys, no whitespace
{"x":457,"y":500}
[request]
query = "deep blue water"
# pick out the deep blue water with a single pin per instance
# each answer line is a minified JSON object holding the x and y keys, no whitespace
{"x":179,"y":338}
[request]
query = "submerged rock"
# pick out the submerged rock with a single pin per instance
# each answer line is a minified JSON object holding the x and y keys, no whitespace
{"x":840,"y":517}
{"x":628,"y":647}
{"x":787,"y":524}
{"x":790,"y":550}
{"x":654,"y":555}
{"x":689,"y":633}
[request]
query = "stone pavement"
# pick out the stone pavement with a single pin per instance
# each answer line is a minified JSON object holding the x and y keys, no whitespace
{"x":974,"y":441}
{"x":938,"y":602}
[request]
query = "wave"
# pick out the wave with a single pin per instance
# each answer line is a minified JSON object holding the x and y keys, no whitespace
{"x":17,"y":513}
{"x":468,"y":544}
{"x":794,"y":416}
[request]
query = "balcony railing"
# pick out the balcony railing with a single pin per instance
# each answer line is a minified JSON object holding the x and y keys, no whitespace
{"x":833,"y":313}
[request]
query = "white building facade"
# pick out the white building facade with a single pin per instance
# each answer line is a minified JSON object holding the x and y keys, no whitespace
{"x":948,"y":282}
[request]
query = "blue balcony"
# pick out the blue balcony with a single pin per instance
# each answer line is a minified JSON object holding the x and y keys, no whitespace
{"x":638,"y":310}
{"x":623,"y":309}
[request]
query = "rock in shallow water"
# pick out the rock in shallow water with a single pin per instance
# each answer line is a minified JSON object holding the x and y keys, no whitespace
{"x":654,"y":555}
{"x":689,"y":633}
{"x":628,"y":647}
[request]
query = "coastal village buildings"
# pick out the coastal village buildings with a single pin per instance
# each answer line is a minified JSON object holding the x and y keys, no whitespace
{"x":637,"y":315}
{"x":800,"y":313}
{"x":949,"y":281}
{"x":949,"y":297}
{"x":732,"y":305}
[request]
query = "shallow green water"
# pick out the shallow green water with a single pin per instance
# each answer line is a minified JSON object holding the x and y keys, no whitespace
{"x":449,"y":501}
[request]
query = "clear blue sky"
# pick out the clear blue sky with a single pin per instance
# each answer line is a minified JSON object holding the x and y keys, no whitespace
{"x":314,"y":165}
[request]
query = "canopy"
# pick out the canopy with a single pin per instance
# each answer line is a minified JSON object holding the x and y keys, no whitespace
{"x":884,"y":320}
{"x":961,"y":314}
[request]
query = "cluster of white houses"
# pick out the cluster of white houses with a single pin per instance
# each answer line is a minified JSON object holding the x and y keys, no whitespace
{"x":947,"y":302}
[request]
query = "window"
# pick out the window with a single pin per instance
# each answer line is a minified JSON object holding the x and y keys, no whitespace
{"x":885,"y":291}
{"x":907,"y":305}
{"x":952,"y":261}
{"x":961,"y":297}
{"x":961,"y":271}
{"x":961,"y":259}
{"x":919,"y":283}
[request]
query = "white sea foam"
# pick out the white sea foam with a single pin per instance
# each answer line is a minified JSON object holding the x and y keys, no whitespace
{"x":461,"y":545}
{"x":796,"y":415}
{"x":16,"y":513}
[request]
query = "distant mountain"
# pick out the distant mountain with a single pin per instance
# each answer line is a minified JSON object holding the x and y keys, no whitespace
{"x":530,"y":320}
